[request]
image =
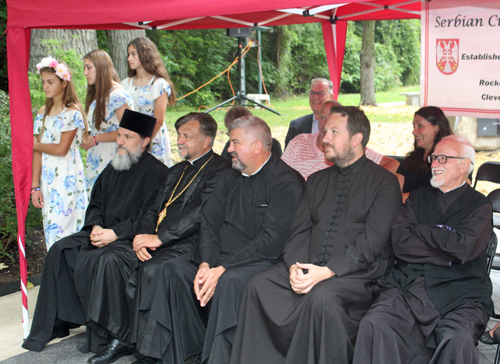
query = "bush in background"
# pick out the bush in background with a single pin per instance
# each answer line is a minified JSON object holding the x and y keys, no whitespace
{"x":8,"y":217}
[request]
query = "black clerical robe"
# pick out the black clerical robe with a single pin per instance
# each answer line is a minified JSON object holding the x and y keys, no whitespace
{"x":244,"y":226}
{"x":343,"y":222}
{"x":179,"y":230}
{"x":439,"y":293}
{"x":119,"y":201}
{"x":114,"y":204}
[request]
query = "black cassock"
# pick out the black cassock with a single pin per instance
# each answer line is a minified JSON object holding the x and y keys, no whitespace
{"x":433,"y":306}
{"x":244,"y":226}
{"x":116,"y":203}
{"x":343,"y":222}
{"x":111,"y":309}
{"x":128,"y":195}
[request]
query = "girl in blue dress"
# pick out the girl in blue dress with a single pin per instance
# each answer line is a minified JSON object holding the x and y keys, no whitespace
{"x":58,"y":183}
{"x":105,"y":103}
{"x":152,"y":90}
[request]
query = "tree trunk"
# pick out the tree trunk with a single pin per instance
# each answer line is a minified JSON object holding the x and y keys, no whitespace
{"x":118,"y":41}
{"x":367,"y":60}
{"x":83,"y":41}
{"x":283,"y":59}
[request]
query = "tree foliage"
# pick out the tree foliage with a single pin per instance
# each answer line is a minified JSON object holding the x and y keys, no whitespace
{"x":291,"y":56}
{"x":397,"y":48}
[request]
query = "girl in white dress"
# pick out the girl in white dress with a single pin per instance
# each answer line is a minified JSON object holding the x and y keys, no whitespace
{"x":106,"y":100}
{"x":152,"y":90}
{"x":58,"y":183}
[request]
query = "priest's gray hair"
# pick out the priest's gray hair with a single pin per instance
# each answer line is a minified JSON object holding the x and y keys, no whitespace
{"x":357,"y":122}
{"x":208,"y":125}
{"x":465,"y":149}
{"x":255,"y":126}
{"x":330,"y":83}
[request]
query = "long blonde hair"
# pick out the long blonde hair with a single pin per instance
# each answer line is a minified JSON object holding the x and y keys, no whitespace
{"x":153,"y":64}
{"x":69,"y":99}
{"x":105,"y":74}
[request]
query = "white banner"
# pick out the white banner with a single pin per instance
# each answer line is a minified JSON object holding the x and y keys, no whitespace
{"x":460,"y":61}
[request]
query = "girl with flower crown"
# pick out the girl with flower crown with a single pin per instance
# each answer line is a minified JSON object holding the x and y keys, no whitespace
{"x":105,"y":103}
{"x":152,"y":90}
{"x":58,"y":184}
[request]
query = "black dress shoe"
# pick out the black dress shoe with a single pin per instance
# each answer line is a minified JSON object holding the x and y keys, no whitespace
{"x":487,"y":339}
{"x":113,"y":351}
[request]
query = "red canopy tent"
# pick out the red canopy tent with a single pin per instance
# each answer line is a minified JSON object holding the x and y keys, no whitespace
{"x":24,"y":15}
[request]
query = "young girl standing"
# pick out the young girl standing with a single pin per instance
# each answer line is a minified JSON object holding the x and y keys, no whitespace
{"x":152,"y":90}
{"x":58,"y":183}
{"x":106,"y":100}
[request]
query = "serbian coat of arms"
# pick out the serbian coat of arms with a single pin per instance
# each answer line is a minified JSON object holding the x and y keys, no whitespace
{"x":447,"y":55}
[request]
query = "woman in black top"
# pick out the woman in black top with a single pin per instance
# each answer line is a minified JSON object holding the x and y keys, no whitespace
{"x":430,"y":125}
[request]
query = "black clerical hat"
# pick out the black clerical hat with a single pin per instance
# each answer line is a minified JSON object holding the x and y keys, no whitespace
{"x":140,"y":123}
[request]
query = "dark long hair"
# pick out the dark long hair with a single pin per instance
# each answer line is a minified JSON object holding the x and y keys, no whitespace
{"x":105,"y":74}
{"x":415,"y":158}
{"x":153,"y":64}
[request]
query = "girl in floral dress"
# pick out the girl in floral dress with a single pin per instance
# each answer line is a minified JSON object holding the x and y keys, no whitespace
{"x":58,"y":184}
{"x":106,"y":100}
{"x":152,"y":90}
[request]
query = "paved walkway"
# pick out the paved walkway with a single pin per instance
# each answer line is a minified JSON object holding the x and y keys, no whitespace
{"x":65,"y":351}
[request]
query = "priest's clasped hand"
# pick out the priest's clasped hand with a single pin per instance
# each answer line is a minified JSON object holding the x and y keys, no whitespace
{"x":142,"y":242}
{"x":302,"y":282}
{"x":205,"y":282}
{"x":100,"y":237}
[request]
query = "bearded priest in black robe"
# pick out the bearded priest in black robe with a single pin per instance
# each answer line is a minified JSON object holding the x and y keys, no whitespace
{"x":173,"y":222}
{"x":118,"y":202}
{"x":244,"y":226}
{"x":307,"y":308}
{"x":434,"y":305}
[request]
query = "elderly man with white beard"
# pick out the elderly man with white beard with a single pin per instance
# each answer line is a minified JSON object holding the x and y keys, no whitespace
{"x":119,"y":198}
{"x":434,"y":305}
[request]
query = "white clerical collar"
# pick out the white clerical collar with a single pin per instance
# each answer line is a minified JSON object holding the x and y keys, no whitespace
{"x":194,"y":160}
{"x":454,"y":188}
{"x":258,"y":170}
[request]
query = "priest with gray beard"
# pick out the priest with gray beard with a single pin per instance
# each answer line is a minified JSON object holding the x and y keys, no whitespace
{"x":120,"y":197}
{"x":118,"y":200}
{"x":307,"y":308}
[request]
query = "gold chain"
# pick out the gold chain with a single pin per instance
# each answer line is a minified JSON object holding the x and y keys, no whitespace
{"x":163,"y":212}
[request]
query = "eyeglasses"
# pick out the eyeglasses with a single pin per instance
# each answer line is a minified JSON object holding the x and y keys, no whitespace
{"x":319,"y":93}
{"x":442,"y":159}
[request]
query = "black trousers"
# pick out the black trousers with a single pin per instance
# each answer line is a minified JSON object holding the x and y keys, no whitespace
{"x":400,"y":329}
{"x":177,"y":327}
{"x":57,"y":299}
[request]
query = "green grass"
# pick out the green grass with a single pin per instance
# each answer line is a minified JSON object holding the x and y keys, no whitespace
{"x":297,"y":106}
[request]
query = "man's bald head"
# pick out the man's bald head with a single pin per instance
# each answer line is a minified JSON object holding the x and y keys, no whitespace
{"x":325,"y":113}
{"x":464,"y":148}
{"x":460,"y":157}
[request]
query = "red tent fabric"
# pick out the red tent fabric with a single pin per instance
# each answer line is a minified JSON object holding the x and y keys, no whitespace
{"x":24,"y":15}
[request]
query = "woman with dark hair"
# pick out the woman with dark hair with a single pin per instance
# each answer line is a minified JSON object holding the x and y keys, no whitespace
{"x":58,"y":182}
{"x":430,"y":125}
{"x":105,"y":103}
{"x":152,"y":90}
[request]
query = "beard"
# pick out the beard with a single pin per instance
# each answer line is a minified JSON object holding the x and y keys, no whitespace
{"x":185,"y":157}
{"x":123,"y":162}
{"x":435,"y":182}
{"x":341,"y":159}
{"x":237,"y":164}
